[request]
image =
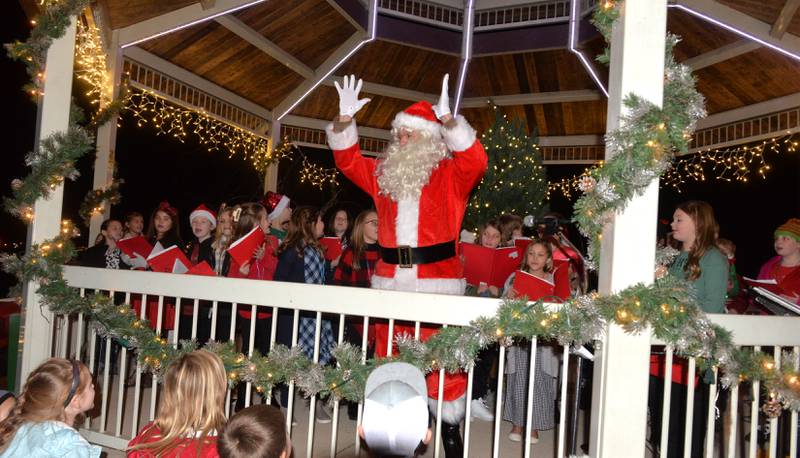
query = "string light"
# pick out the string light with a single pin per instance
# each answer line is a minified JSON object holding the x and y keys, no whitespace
{"x":317,"y":175}
{"x":739,"y":164}
{"x":91,"y":65}
{"x":148,"y":108}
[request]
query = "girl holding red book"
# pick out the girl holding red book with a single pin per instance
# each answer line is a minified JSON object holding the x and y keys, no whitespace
{"x":260,"y":267}
{"x":537,"y":261}
{"x":164,"y":230}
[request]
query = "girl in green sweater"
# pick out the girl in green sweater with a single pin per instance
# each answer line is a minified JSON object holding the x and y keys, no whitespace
{"x":700,"y":261}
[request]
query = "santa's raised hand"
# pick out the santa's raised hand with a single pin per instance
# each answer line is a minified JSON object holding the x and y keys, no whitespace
{"x":349,"y":104}
{"x":442,"y":107}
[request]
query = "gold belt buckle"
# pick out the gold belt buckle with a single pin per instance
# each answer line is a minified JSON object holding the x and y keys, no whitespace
{"x":404,"y":257}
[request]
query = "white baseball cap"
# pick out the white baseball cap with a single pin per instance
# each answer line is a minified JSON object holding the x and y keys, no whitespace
{"x":395,"y":417}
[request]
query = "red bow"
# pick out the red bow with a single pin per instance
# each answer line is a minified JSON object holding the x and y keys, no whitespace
{"x":166,"y":207}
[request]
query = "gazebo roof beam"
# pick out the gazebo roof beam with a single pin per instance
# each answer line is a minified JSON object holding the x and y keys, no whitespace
{"x":251,"y":36}
{"x":181,"y":74}
{"x":750,"y":111}
{"x":179,"y":19}
{"x":741,"y":24}
{"x":722,"y":54}
{"x":334,"y":61}
{"x":534,"y":98}
{"x":784,"y":18}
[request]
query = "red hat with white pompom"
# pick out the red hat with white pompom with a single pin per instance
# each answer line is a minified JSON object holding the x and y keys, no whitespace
{"x":419,"y":116}
{"x":275,"y":204}
{"x":204,"y":212}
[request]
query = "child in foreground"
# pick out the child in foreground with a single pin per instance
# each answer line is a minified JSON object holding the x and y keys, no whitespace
{"x":55,"y":395}
{"x":258,"y":431}
{"x":191,"y":412}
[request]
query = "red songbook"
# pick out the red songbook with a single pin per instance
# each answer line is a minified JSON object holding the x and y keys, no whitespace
{"x":532,"y":286}
{"x":135,"y":245}
{"x":522,"y":244}
{"x":489,"y":265}
{"x":202,"y":268}
{"x":333,"y":247}
{"x":242,"y":250}
{"x":770,"y":285}
{"x":171,"y":260}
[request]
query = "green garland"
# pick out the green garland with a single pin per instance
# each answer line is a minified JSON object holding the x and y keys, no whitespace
{"x":49,"y":25}
{"x":52,"y":163}
{"x":643,"y":148}
{"x":667,"y":306}
{"x":95,"y":199}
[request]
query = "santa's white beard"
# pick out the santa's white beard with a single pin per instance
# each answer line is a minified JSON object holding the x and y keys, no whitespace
{"x":406,"y":169}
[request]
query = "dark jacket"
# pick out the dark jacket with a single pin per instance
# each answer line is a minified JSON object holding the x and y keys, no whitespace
{"x":205,"y":252}
{"x":95,"y":256}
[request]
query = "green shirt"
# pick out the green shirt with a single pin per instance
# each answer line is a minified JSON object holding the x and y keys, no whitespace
{"x":712,"y":284}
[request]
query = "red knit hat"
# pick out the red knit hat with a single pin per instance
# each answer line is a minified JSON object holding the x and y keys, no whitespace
{"x":790,"y":228}
{"x":419,"y":116}
{"x":204,"y":212}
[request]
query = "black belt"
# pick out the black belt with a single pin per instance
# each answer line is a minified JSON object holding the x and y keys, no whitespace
{"x":407,"y":256}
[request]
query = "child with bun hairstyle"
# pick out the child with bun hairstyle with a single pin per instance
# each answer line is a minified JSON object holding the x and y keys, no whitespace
{"x":191,"y":412}
{"x":42,"y":423}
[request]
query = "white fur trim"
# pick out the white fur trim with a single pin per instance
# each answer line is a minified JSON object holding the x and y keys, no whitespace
{"x":412,"y":122}
{"x":460,"y":137}
{"x":407,"y":224}
{"x":406,"y":280}
{"x":203,"y":214}
{"x":344,"y":139}
{"x":453,"y":412}
{"x":276,"y":212}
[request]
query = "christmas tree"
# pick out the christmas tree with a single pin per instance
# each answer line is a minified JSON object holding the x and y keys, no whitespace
{"x":515,"y":180}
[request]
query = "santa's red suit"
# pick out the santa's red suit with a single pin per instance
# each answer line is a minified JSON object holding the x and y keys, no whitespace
{"x":432,"y":219}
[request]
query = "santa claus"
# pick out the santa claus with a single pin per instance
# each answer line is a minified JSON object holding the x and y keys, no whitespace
{"x":420,"y":186}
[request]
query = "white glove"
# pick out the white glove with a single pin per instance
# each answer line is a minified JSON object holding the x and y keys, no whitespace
{"x":442,"y":107}
{"x":138,"y":261}
{"x":349,"y":104}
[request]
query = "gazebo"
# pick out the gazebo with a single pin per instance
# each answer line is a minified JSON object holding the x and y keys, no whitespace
{"x":266,"y":68}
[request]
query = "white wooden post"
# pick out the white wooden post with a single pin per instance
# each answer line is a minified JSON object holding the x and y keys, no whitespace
{"x":271,"y":174}
{"x":619,"y":399}
{"x":106,"y":138}
{"x":53,"y":116}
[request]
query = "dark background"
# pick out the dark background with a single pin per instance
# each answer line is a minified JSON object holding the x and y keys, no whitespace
{"x":159,"y":168}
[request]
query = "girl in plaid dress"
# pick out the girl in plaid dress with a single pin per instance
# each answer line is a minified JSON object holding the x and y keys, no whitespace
{"x":538,"y":261}
{"x":300,"y":260}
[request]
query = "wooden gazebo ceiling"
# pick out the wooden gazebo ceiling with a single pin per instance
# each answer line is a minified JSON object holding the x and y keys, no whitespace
{"x":311,"y":30}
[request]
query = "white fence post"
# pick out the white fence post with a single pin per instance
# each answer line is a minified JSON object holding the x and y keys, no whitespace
{"x":53,"y":116}
{"x":619,"y":399}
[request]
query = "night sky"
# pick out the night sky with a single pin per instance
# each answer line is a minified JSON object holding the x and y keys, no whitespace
{"x":159,"y":168}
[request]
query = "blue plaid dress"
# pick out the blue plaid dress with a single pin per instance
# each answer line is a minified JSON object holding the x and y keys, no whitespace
{"x":314,"y":273}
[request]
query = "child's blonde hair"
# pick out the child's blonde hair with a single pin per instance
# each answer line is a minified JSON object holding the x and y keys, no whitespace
{"x":192,"y":402}
{"x":45,"y":396}
{"x":548,"y":266}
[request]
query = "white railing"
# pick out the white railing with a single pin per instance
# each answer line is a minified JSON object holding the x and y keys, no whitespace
{"x":124,"y":409}
{"x":723,"y":437}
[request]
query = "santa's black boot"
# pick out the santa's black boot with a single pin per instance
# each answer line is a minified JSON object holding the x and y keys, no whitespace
{"x":451,"y":439}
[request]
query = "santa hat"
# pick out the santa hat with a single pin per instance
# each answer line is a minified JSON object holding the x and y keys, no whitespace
{"x":275,"y":204}
{"x":204,"y":212}
{"x":419,"y":116}
{"x":790,"y":228}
